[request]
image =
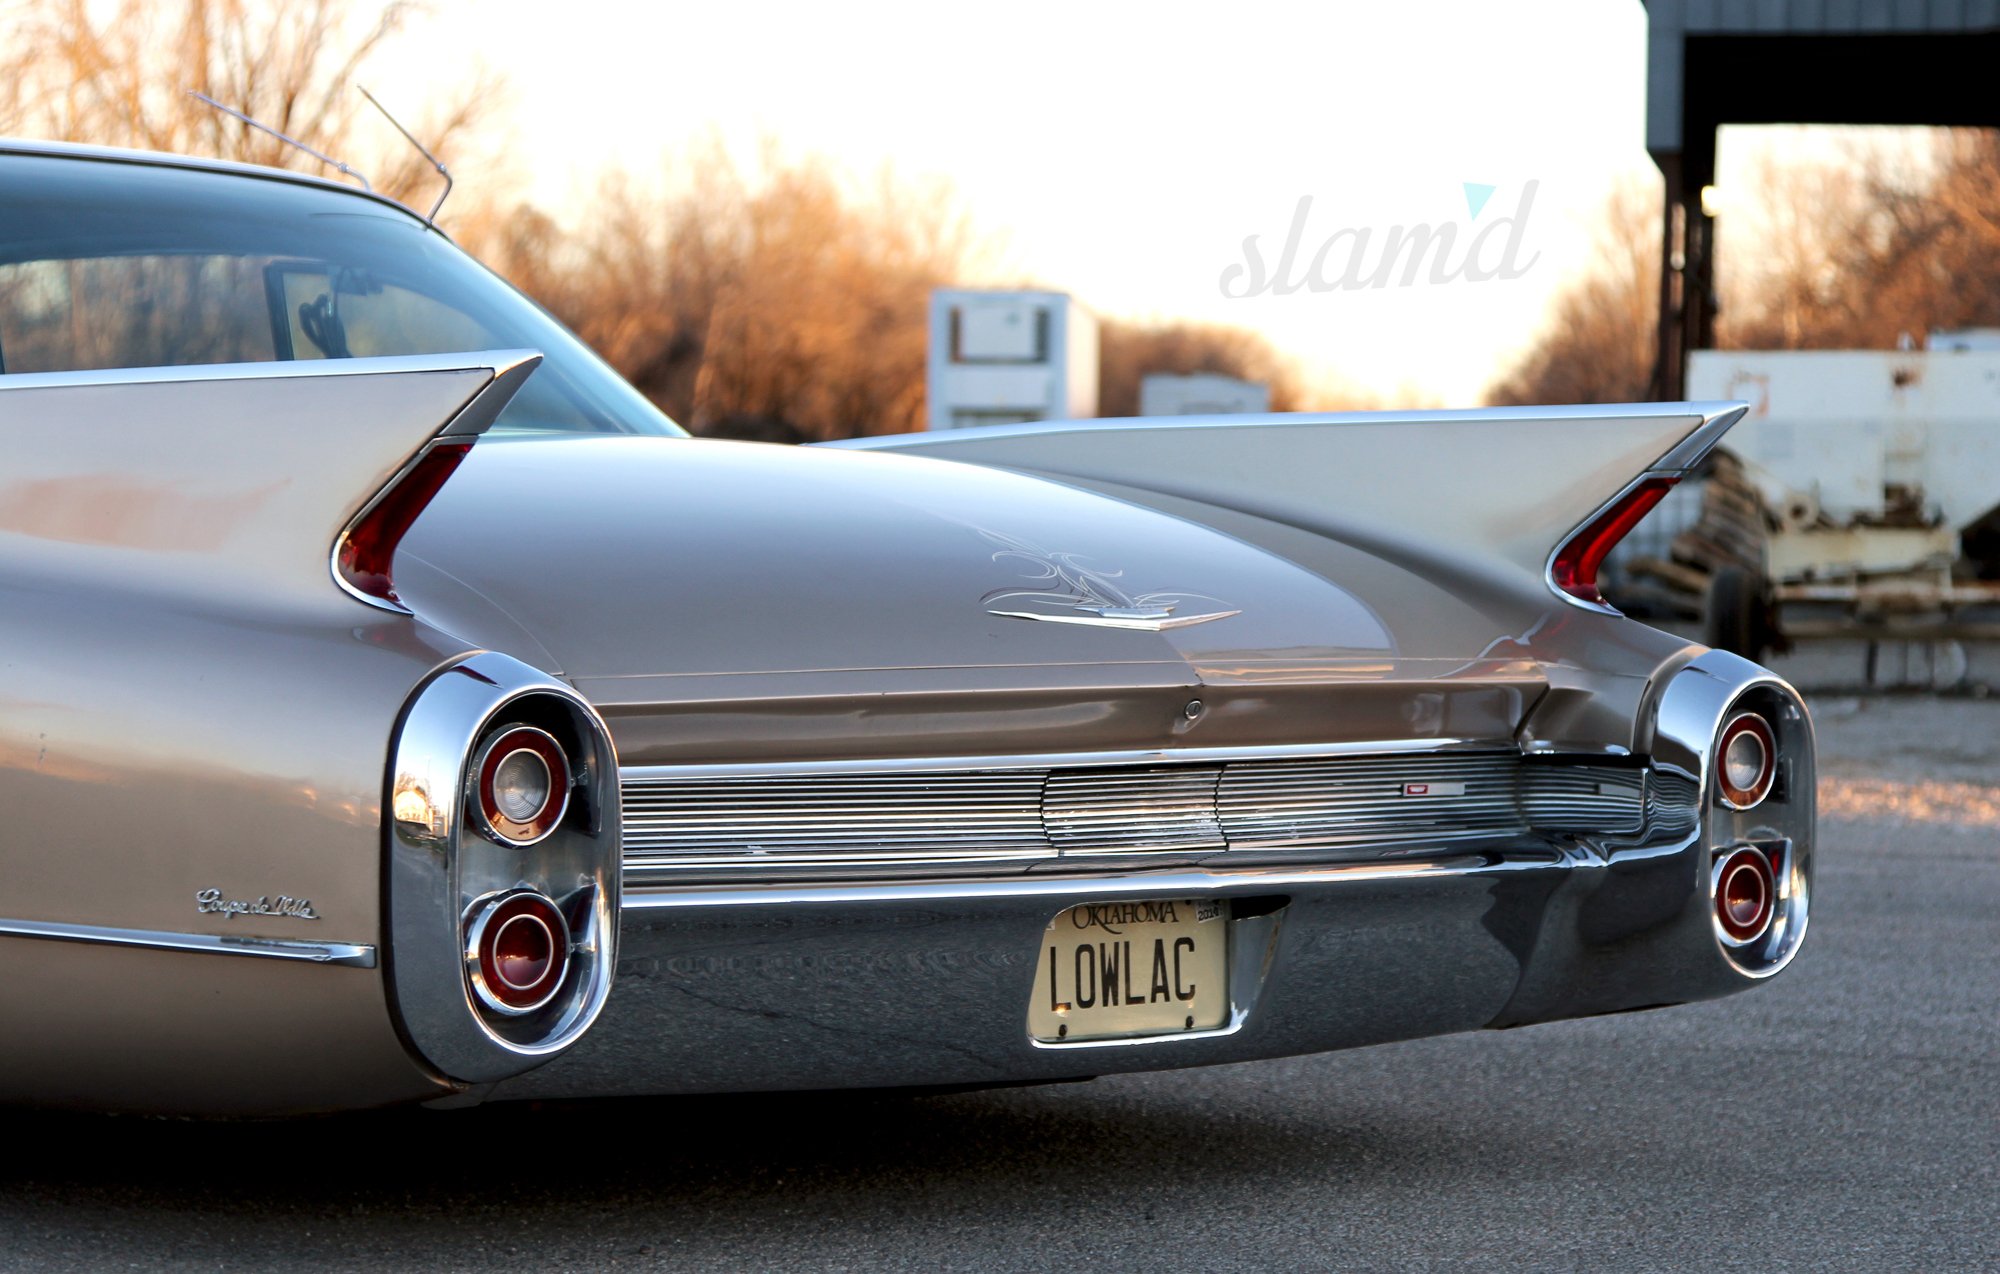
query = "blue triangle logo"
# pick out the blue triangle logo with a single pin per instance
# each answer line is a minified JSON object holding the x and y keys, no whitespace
{"x":1476,"y":196}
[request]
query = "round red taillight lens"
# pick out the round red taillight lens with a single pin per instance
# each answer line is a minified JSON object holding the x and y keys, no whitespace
{"x":1746,"y":760}
{"x":523,"y":784}
{"x":1745,"y":895}
{"x":517,"y":951}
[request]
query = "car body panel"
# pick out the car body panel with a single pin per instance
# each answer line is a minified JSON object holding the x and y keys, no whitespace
{"x":257,"y":835}
{"x":189,"y":704}
{"x":892,"y":563}
{"x":1488,"y":489}
{"x":737,"y":626}
{"x":166,"y":1032}
{"x":197,"y":481}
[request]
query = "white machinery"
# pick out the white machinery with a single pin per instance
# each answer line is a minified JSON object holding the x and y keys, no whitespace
{"x":1001,"y":357}
{"x":1202,"y":394}
{"x":1881,"y":472}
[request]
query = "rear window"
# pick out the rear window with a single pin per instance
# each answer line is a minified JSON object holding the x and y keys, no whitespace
{"x":108,"y":265}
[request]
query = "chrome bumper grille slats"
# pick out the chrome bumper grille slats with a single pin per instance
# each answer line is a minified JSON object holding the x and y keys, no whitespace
{"x":1673,"y":806}
{"x":1584,"y":798}
{"x":1376,"y":800}
{"x":713,"y":821}
{"x":904,"y":818}
{"x":1167,"y":808}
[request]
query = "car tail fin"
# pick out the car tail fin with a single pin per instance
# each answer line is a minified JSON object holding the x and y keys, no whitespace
{"x":1542,"y":490}
{"x":239,"y":477}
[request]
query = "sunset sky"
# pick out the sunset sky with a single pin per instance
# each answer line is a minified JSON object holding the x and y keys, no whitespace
{"x":1124,"y":152}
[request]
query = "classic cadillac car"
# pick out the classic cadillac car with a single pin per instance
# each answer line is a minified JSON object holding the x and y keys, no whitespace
{"x":394,"y":707}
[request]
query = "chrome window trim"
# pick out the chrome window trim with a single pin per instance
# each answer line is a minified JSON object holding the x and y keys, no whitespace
{"x":157,"y":159}
{"x":352,"y":955}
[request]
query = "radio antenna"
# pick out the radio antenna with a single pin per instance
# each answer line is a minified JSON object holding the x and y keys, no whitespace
{"x":328,"y":160}
{"x":422,"y":149}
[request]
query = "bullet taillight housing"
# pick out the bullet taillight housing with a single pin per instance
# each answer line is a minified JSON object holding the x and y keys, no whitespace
{"x":1734,"y":744}
{"x":503,"y":874}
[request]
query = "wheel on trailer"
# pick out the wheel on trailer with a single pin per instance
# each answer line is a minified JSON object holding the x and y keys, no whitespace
{"x":1738,"y":613}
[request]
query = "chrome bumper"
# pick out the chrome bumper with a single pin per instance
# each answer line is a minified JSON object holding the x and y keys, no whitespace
{"x":927,"y":984}
{"x":893,"y":984}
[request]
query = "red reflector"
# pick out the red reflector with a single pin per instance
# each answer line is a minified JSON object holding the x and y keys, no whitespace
{"x":522,"y":949}
{"x":370,"y":544}
{"x":524,"y":808}
{"x":1745,"y":895}
{"x":1574,"y":569}
{"x":517,"y":951}
{"x":1746,"y":760}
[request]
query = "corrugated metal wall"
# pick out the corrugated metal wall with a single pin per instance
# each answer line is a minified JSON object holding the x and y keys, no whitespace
{"x":1672,"y":22}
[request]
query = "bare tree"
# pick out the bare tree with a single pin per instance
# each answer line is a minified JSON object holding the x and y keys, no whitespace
{"x":1597,"y":344}
{"x":1867,"y":252}
{"x":1131,"y":351}
{"x":782,"y":302}
{"x":118,"y":73}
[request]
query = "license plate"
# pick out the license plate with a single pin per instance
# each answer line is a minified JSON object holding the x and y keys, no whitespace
{"x":1113,"y":970}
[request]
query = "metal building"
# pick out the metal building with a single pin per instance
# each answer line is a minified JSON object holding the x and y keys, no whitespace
{"x":1715,"y":62}
{"x":1004,"y":356}
{"x":1201,"y":394}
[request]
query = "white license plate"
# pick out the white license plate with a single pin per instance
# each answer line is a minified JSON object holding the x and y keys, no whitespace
{"x":1113,"y":970}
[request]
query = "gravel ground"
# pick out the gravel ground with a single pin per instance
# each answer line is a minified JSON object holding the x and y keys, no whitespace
{"x":1928,"y":761}
{"x":1845,"y":1116}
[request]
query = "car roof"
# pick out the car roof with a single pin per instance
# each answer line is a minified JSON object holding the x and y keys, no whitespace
{"x":158,"y":159}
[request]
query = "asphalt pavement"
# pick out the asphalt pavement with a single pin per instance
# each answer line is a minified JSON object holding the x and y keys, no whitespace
{"x":1845,"y":1116}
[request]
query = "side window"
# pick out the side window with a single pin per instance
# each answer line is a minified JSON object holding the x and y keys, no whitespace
{"x":344,"y":313}
{"x":140,"y":311}
{"x":173,"y":311}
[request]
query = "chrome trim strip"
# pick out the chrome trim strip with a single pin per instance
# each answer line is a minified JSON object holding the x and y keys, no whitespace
{"x":1718,"y":419}
{"x":1700,"y":438}
{"x":353,"y":955}
{"x":511,"y":369}
{"x":502,"y":363}
{"x":1152,"y":884}
{"x":1057,"y":760}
